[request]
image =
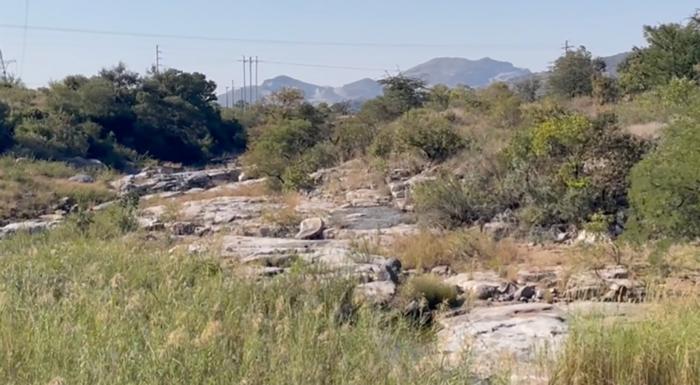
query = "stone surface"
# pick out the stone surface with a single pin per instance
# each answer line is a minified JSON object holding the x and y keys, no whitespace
{"x":374,"y":293}
{"x":31,"y":227}
{"x":82,"y":178}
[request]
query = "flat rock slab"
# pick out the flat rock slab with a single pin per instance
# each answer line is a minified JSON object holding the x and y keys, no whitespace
{"x":519,"y":335}
{"x":334,"y":253}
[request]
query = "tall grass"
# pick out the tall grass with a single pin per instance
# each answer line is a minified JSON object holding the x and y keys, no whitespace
{"x":29,"y":188}
{"x":96,"y":307}
{"x":662,"y":349}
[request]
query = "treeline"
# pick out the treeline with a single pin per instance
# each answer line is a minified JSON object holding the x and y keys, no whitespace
{"x":118,"y":117}
{"x":545,"y":155}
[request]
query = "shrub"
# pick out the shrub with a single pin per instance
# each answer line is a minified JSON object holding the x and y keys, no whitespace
{"x":664,"y":191}
{"x":430,"y":133}
{"x":568,"y":168}
{"x":431,"y":289}
{"x":460,"y":249}
{"x":450,"y":202}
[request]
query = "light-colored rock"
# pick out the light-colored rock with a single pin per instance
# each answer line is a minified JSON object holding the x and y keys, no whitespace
{"x":480,"y":285}
{"x":82,"y":178}
{"x":311,"y":228}
{"x":374,"y":293}
{"x":30,"y":227}
{"x":519,"y":331}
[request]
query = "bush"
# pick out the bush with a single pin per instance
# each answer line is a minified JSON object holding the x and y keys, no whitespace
{"x":430,"y":289}
{"x":450,"y":202}
{"x":568,"y":168}
{"x":664,"y":191}
{"x":430,"y":133}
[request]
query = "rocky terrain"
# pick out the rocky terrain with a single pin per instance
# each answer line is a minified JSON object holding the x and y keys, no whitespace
{"x":521,"y":317}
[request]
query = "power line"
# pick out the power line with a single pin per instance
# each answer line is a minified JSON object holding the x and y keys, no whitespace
{"x":25,"y":27}
{"x":324,"y":66}
{"x":253,"y":40}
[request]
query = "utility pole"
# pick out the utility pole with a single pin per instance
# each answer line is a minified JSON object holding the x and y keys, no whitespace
{"x":158,"y":58}
{"x":257,"y":99}
{"x":3,"y":67}
{"x":227,"y":96}
{"x":233,"y":93}
{"x":566,"y":47}
{"x":243,"y":90}
{"x":250,"y":71}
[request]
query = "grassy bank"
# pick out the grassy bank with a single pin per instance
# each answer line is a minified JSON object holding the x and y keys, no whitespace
{"x":661,"y":349}
{"x":29,"y":188}
{"x":100,"y":309}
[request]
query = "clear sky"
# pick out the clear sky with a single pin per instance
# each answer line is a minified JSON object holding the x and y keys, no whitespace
{"x":405,"y":33}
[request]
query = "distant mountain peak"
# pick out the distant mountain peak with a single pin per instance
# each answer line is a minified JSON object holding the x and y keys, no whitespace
{"x":450,"y":71}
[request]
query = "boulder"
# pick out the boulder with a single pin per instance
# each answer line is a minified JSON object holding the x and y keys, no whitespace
{"x":311,"y":228}
{"x":30,"y":227}
{"x":82,"y":178}
{"x":374,"y":293}
{"x":525,"y":293}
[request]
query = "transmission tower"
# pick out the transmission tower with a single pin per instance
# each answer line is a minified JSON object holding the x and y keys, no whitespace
{"x":3,"y":67}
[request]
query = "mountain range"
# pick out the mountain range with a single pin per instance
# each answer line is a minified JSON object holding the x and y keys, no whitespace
{"x":450,"y":71}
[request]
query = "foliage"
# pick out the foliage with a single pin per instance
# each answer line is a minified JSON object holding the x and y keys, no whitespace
{"x":572,"y":74}
{"x":119,"y":116}
{"x":450,"y":202}
{"x":665,"y":186}
{"x":430,"y":133}
{"x":287,"y":151}
{"x":673,"y":51}
{"x":567,"y":168}
{"x":401,"y":94}
{"x":528,"y":89}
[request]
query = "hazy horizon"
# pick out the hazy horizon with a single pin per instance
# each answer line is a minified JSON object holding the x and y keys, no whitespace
{"x":366,"y":39}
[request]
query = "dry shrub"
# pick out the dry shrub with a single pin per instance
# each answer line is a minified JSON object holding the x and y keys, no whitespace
{"x":461,"y":249}
{"x":431,"y":289}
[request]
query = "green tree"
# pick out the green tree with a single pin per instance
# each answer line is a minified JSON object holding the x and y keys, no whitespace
{"x":673,"y":51}
{"x":665,"y":186}
{"x":401,"y":94}
{"x":572,"y":74}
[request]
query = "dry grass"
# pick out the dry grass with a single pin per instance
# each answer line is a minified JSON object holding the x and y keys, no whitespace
{"x":649,"y":131}
{"x":661,"y":349}
{"x":462,"y":249}
{"x":287,"y":216}
{"x":431,"y":289}
{"x":78,"y":309}
{"x":30,"y":188}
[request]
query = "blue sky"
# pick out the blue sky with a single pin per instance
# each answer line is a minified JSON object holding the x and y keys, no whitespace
{"x":527,"y":33}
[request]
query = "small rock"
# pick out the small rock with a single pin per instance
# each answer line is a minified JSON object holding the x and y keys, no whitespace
{"x":82,"y":178}
{"x":183,"y":228}
{"x":311,"y":228}
{"x":441,"y":270}
{"x":525,"y":293}
{"x":391,"y":271}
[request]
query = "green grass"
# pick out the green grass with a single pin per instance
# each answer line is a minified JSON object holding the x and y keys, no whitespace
{"x":661,"y":349}
{"x":98,"y":307}
{"x":29,"y":188}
